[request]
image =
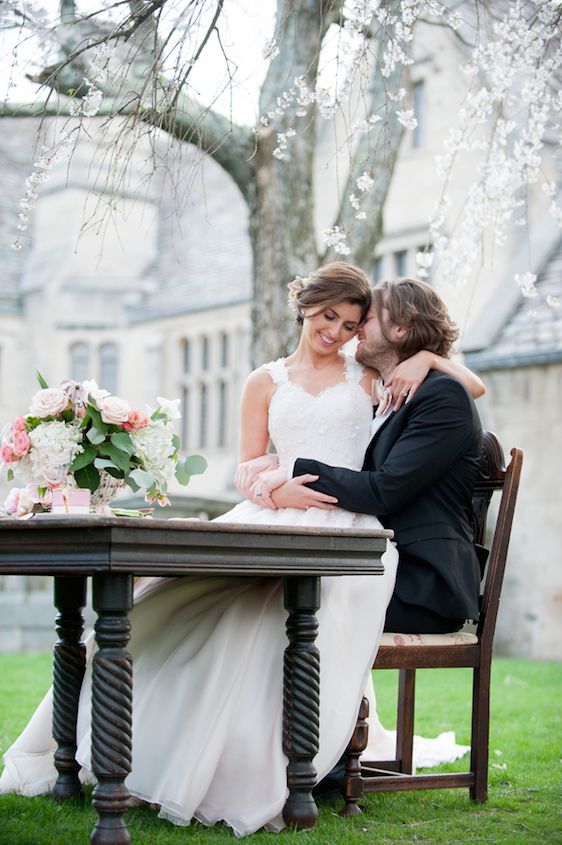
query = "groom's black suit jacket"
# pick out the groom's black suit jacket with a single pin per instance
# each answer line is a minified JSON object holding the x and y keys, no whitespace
{"x":417,"y":477}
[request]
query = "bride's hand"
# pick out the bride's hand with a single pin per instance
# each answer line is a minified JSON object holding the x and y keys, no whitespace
{"x":265,"y":483}
{"x":248,"y":471}
{"x":408,"y":376}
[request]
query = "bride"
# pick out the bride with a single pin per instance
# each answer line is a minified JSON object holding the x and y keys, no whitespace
{"x":208,"y":650}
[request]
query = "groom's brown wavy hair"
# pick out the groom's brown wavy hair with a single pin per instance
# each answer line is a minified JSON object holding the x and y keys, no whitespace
{"x":416,"y":306}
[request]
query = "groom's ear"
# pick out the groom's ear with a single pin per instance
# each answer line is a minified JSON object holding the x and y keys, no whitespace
{"x":401,"y":331}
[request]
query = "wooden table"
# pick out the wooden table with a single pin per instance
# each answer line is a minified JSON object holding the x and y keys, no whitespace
{"x":113,"y":550}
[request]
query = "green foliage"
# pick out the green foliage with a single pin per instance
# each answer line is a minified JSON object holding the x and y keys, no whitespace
{"x":141,"y":477}
{"x":83,"y":458}
{"x":88,"y":477}
{"x":523,"y":807}
{"x":41,"y":380}
{"x":193,"y":465}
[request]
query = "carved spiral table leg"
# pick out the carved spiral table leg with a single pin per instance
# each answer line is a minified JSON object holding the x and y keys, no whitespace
{"x":69,"y":666}
{"x":112,"y":687}
{"x":301,"y":700}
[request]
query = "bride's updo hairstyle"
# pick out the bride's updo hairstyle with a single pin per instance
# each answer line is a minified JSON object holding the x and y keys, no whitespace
{"x":418,"y":307}
{"x":329,"y":285}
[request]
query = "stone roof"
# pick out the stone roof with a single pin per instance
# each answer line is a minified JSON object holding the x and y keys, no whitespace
{"x":16,"y":164}
{"x":204,"y":259}
{"x":533,"y":334}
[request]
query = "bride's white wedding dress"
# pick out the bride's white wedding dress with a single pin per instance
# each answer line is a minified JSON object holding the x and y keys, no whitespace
{"x":208,"y":653}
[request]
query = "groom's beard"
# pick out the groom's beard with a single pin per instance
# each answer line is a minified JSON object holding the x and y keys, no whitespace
{"x":379,"y":355}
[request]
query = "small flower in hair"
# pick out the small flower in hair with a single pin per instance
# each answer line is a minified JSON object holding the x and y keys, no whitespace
{"x":298,"y":284}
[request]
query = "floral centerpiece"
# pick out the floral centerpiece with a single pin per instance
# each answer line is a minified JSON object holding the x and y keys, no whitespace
{"x":78,"y":435}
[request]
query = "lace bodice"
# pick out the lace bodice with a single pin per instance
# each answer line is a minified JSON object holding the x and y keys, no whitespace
{"x":332,"y":426}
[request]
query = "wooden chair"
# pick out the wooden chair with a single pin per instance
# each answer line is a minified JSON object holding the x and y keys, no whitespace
{"x":407,"y":653}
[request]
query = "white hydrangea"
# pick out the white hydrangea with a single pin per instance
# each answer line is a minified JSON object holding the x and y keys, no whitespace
{"x":54,"y":446}
{"x":154,"y":448}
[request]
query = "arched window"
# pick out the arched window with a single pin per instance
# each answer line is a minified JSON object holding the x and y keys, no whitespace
{"x":204,"y":353}
{"x":223,"y":413}
{"x":184,"y":417}
{"x":185,"y":356}
{"x":203,"y":415}
{"x":224,"y":342}
{"x":79,"y":361}
{"x":109,"y":364}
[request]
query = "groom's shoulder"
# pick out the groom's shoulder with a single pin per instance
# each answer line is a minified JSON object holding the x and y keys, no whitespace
{"x":448,"y":388}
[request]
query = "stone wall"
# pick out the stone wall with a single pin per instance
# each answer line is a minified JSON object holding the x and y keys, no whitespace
{"x":522,"y":407}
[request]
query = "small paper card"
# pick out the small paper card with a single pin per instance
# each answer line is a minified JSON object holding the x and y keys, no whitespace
{"x":71,"y":500}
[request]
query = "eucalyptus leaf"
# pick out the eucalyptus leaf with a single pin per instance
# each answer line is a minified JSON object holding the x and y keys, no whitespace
{"x":195,"y":464}
{"x":182,"y":474}
{"x":97,"y":421}
{"x":10,"y":475}
{"x":118,"y":458}
{"x":123,"y":441}
{"x":95,"y":436}
{"x":104,"y":463}
{"x":132,"y":484}
{"x":176,"y":442}
{"x":142,"y":477}
{"x":83,"y":459}
{"x":88,"y":477}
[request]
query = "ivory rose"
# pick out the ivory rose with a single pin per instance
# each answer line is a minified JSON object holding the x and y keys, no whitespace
{"x":48,"y":402}
{"x":12,"y":500}
{"x":115,"y":410}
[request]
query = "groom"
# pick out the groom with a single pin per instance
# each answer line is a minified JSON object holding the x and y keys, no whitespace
{"x":419,"y":468}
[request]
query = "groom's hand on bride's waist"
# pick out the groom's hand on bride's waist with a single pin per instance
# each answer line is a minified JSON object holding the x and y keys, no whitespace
{"x":294,"y":494}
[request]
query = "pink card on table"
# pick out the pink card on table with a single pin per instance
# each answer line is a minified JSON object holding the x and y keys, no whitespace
{"x":71,"y":500}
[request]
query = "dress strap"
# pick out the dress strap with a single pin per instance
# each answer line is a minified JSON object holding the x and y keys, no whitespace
{"x":277,"y":371}
{"x":353,"y":369}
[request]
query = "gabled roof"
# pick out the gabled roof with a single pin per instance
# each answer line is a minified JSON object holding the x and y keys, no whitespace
{"x":533,"y":334}
{"x":204,"y":256}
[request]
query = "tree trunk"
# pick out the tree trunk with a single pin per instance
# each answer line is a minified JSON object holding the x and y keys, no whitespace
{"x":281,"y":204}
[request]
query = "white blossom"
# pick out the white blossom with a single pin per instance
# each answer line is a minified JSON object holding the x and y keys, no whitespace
{"x":526,"y":282}
{"x":337,"y":238}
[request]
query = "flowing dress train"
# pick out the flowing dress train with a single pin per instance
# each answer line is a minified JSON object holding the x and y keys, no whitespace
{"x":208,"y":653}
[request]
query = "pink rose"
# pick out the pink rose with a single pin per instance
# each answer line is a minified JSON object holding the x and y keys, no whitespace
{"x":21,"y":443}
{"x":18,"y":424}
{"x":115,"y":410}
{"x":49,"y":402}
{"x":7,"y":454}
{"x":12,"y":500}
{"x":136,"y":419}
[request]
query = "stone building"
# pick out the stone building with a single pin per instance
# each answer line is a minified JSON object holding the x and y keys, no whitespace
{"x":155,"y":299}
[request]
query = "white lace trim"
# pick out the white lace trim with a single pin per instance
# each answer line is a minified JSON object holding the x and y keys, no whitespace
{"x":354,"y":371}
{"x":277,"y":371}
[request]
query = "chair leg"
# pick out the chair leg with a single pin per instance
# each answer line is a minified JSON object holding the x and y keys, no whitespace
{"x":480,"y":733}
{"x":352,"y":786}
{"x":405,"y":720}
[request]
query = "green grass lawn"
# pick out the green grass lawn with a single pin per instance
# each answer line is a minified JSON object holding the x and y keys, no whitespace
{"x":523,"y":806}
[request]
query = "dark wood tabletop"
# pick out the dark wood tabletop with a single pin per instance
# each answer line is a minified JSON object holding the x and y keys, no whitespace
{"x":112,"y":550}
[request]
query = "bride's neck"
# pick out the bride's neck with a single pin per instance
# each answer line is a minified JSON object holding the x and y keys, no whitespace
{"x":304,"y":357}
